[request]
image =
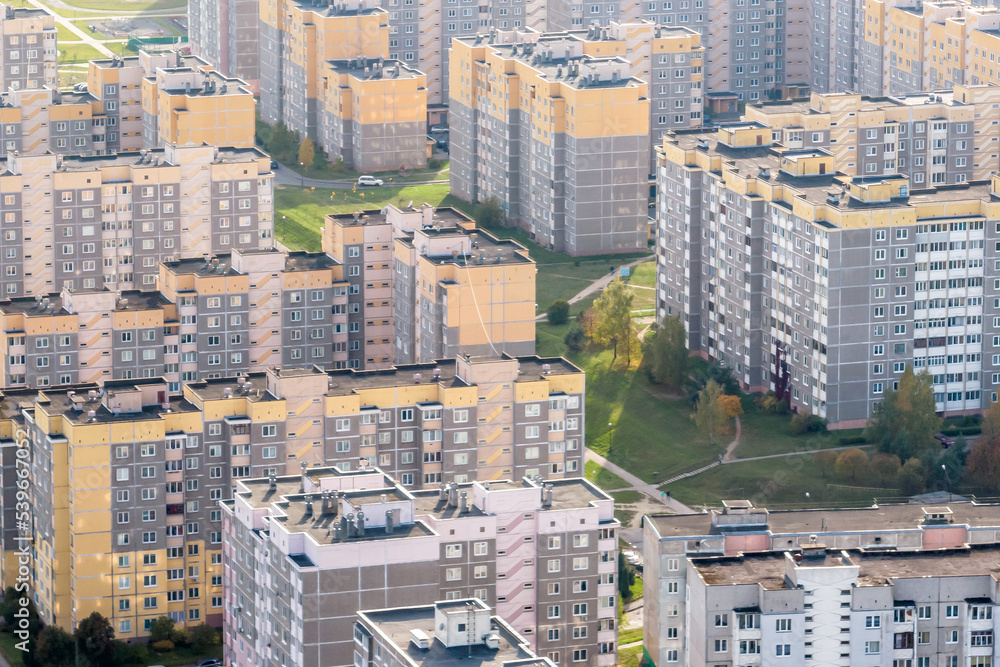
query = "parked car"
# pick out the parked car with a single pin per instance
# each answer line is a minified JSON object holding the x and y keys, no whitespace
{"x":80,"y":87}
{"x":274,"y":164}
{"x":369,"y":180}
{"x":438,"y":128}
{"x":209,"y":662}
{"x":945,"y":440}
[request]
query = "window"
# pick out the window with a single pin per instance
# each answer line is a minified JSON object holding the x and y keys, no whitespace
{"x":453,"y":551}
{"x":872,"y":647}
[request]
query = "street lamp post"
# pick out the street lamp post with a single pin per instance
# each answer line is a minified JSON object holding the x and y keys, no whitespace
{"x":302,"y":166}
{"x":947,"y":478}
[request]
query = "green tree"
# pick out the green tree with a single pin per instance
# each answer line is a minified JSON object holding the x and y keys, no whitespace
{"x":283,"y":143}
{"x":576,"y":337}
{"x":161,"y":628}
{"x":700,"y":377}
{"x":626,"y":576}
{"x":912,"y":477}
{"x":665,"y":353}
{"x":905,"y":422}
{"x":96,"y":640}
{"x":826,"y":460}
{"x":490,"y":213}
{"x":307,"y":153}
{"x":203,"y":637}
{"x":983,"y":464}
{"x":850,"y":463}
{"x":710,"y":413}
{"x":558,"y":312}
{"x":613,"y":309}
{"x":887,"y":467}
{"x":55,"y":647}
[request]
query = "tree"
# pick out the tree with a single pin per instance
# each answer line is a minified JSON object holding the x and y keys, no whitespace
{"x":710,"y":413}
{"x":826,"y":460}
{"x":912,"y":477}
{"x":714,"y":371}
{"x":983,"y":464}
{"x":626,"y":577}
{"x":55,"y":647}
{"x":203,"y":637}
{"x":558,"y":312}
{"x":307,"y":152}
{"x":96,"y":640}
{"x":490,"y":212}
{"x":161,"y":628}
{"x":575,"y":338}
{"x":905,"y":422}
{"x":613,"y":309}
{"x":887,"y":467}
{"x":282,"y":143}
{"x":731,"y":405}
{"x":850,"y":463}
{"x":665,"y":353}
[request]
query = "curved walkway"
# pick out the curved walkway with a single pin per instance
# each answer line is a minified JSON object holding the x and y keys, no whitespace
{"x":599,"y":284}
{"x":285,"y":176}
{"x":636,"y":483}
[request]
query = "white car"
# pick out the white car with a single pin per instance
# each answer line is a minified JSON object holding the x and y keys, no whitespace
{"x":369,"y":180}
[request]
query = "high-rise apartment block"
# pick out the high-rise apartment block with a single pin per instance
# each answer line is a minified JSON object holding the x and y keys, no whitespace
{"x":303,"y":553}
{"x":84,"y":222}
{"x":28,"y":53}
{"x":126,"y":476}
{"x":444,"y":633}
{"x":561,"y":139}
{"x":227,"y":34}
{"x":394,"y":287}
{"x":897,"y":585}
{"x":765,"y":250}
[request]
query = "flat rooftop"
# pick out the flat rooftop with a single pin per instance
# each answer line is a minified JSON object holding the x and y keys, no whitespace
{"x":76,"y":408}
{"x":814,"y":189}
{"x":567,"y":494}
{"x":445,"y":216}
{"x":389,"y":69}
{"x":153,"y":157}
{"x":197,"y":266}
{"x":219,"y":85}
{"x":819,"y":521}
{"x":488,"y":249}
{"x":134,"y":300}
{"x":213,"y":389}
{"x":395,"y":625}
{"x":875,"y":569}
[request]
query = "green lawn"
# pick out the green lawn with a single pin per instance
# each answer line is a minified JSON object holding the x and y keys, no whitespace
{"x":765,"y":434}
{"x":14,"y":657}
{"x":627,"y":497}
{"x":70,"y":76}
{"x":773,"y":483}
{"x":84,"y":25}
{"x":642,"y":280}
{"x":634,"y":424}
{"x":78,"y":53}
{"x":634,"y":591}
{"x":125,"y":6}
{"x":604,"y":478}
{"x":300,"y":211}
{"x":180,"y":657}
{"x":630,"y":657}
{"x":64,"y":34}
{"x":334,"y":173}
{"x":629,"y":636}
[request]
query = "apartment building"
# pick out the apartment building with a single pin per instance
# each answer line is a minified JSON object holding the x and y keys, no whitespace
{"x":932,"y":138}
{"x":763,"y":250}
{"x":191,"y":104}
{"x":561,"y":140}
{"x":227,"y":34}
{"x":152,"y":206}
{"x":454,"y":630}
{"x":304,"y":553}
{"x":906,"y":48}
{"x":29,"y":54}
{"x":885,"y":585}
{"x":373,"y":116}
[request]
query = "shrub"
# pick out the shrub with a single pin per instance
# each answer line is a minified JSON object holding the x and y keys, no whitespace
{"x":951,"y":431}
{"x":435,"y":163}
{"x":803,"y":423}
{"x":972,"y":430}
{"x":203,"y":637}
{"x":163,"y":646}
{"x":852,"y":440}
{"x":576,"y":337}
{"x":180,"y":637}
{"x":558,"y":312}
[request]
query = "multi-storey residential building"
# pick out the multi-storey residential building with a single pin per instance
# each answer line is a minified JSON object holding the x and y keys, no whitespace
{"x":227,"y":34}
{"x":906,"y":48}
{"x":560,"y":137}
{"x":125,"y":475}
{"x":887,"y":585}
{"x":670,"y":59}
{"x":366,"y":304}
{"x":932,"y":138}
{"x":302,"y":553}
{"x":762,"y":248}
{"x":373,"y":116}
{"x":191,"y":104}
{"x":297,"y":39}
{"x":28,"y":54}
{"x":84,"y":222}
{"x":454,"y":630}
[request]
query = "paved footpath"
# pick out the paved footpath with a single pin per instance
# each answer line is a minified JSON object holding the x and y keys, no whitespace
{"x":637,"y":484}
